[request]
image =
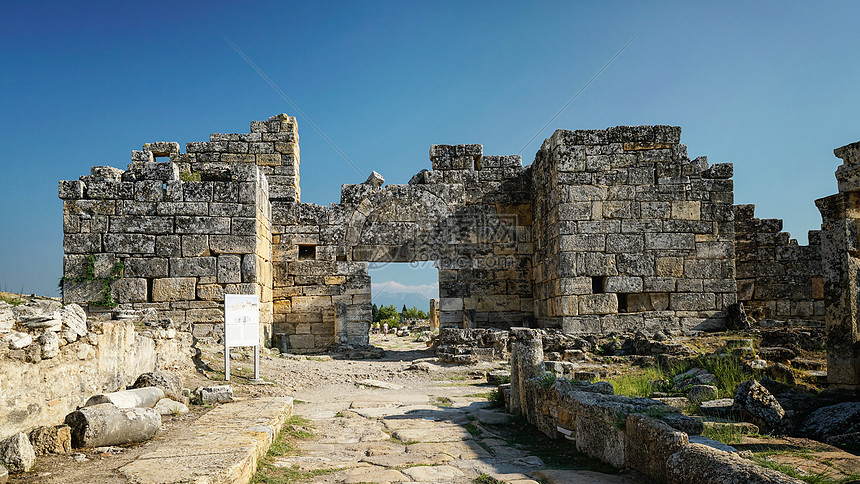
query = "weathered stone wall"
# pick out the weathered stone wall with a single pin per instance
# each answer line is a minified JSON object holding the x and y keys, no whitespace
{"x":840,"y":257}
{"x":775,"y":275}
{"x":185,"y":231}
{"x":629,"y":233}
{"x":60,"y":367}
{"x":470,"y":215}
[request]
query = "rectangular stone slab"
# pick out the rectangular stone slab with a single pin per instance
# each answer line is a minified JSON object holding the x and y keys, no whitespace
{"x":220,"y":447}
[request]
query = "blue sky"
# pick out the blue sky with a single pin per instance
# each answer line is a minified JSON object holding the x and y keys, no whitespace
{"x":768,"y":86}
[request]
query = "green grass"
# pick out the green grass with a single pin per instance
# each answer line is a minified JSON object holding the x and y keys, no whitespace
{"x":295,"y":429}
{"x":487,"y":479}
{"x":727,"y":434}
{"x":473,"y":429}
{"x":729,"y":372}
{"x":14,"y":301}
{"x":824,"y":477}
{"x":444,"y":402}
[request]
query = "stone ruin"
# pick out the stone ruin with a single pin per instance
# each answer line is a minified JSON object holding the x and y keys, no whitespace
{"x":607,"y":230}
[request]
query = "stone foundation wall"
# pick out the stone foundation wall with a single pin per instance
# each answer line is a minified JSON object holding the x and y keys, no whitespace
{"x":40,"y":388}
{"x":629,"y":233}
{"x":777,"y":278}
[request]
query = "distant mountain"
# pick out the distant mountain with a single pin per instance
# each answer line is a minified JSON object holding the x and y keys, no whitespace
{"x":398,"y":299}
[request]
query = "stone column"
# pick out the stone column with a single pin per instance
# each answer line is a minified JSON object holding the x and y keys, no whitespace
{"x":840,"y":257}
{"x":434,"y":315}
{"x":527,"y":345}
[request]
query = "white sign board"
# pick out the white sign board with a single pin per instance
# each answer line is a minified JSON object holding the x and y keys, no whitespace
{"x":241,"y":320}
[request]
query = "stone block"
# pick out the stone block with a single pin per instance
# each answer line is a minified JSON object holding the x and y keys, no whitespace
{"x":168,"y":246}
{"x":649,"y":443}
{"x":195,"y":245}
{"x":624,"y":284}
{"x":51,"y":440}
{"x":215,"y":394}
{"x":686,"y":210}
{"x":145,"y":267}
{"x":82,"y":243}
{"x":692,"y":301}
{"x":129,"y":243}
{"x":598,"y":304}
{"x":229,"y":269}
{"x":161,"y":148}
{"x":174,"y":289}
{"x":233,"y":244}
{"x":71,"y":189}
{"x":129,"y":290}
{"x":676,"y":241}
{"x":193,"y":267}
{"x":202,"y":225}
{"x":16,"y":453}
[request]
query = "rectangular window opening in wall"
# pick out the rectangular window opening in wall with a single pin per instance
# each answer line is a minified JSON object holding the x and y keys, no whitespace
{"x":597,"y":284}
{"x":307,"y":252}
{"x":622,"y":302}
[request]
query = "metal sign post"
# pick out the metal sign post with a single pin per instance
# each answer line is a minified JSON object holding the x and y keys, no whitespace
{"x":241,"y":328}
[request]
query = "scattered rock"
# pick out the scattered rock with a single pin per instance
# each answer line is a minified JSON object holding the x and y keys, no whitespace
{"x":717,"y":408}
{"x":851,"y":439}
{"x":4,"y":474}
{"x":74,"y":319}
{"x":694,"y":376}
{"x":701,"y":393}
{"x":17,"y":454}
{"x":48,"y":322}
{"x":781,"y":373}
{"x":380,"y":384}
{"x":840,"y":419}
{"x":757,"y":364}
{"x":168,"y":382}
{"x":745,"y":428}
{"x":7,"y":318}
{"x":51,"y":440}
{"x":105,"y":424}
{"x":36,"y":308}
{"x":50,"y":345}
{"x":700,"y":464}
{"x":776,"y":353}
{"x":420,"y":366}
{"x":736,"y":318}
{"x":753,"y":403}
{"x":215,"y":394}
{"x":166,"y":406}
{"x":18,"y":340}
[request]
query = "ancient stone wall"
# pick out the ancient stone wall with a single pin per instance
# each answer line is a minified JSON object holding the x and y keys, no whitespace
{"x":629,"y":233}
{"x":777,"y":278}
{"x":52,"y":360}
{"x":470,"y":215}
{"x":176,"y":235}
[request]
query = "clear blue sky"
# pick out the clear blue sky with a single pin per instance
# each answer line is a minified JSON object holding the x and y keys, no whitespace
{"x":769,"y":86}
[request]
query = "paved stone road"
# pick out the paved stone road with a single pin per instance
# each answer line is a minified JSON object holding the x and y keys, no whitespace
{"x":391,"y":432}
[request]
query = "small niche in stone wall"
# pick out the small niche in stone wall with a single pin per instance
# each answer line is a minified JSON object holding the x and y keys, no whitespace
{"x":598,"y":284}
{"x":307,"y":252}
{"x":622,"y":302}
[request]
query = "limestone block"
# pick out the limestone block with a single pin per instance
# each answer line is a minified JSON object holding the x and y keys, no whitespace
{"x":82,"y":243}
{"x":195,"y":245}
{"x":193,"y":267}
{"x":686,"y":210}
{"x":215,"y":394}
{"x":649,"y":443}
{"x":71,"y":189}
{"x":51,"y":440}
{"x":624,"y":284}
{"x":129,"y":290}
{"x":624,"y":243}
{"x":146,"y":267}
{"x":301,"y":341}
{"x":166,"y":406}
{"x":249,"y":268}
{"x":168,"y":246}
{"x":181,"y":208}
{"x":202,"y":225}
{"x":110,"y":190}
{"x":598,"y":304}
{"x":148,"y":190}
{"x":243,"y":226}
{"x":233,"y":244}
{"x":173,"y":289}
{"x":229,"y":269}
{"x":50,"y":345}
{"x":210,"y":292}
{"x":162,"y":148}
{"x":129,"y":243}
{"x":677,"y":241}
{"x":692,"y":301}
{"x":18,"y":340}
{"x":205,"y":315}
{"x":16,"y":453}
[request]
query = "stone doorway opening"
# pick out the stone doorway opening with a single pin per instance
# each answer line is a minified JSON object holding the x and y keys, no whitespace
{"x":401,"y":294}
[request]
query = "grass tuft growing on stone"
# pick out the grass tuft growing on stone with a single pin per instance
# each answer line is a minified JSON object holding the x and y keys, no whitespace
{"x":295,"y":429}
